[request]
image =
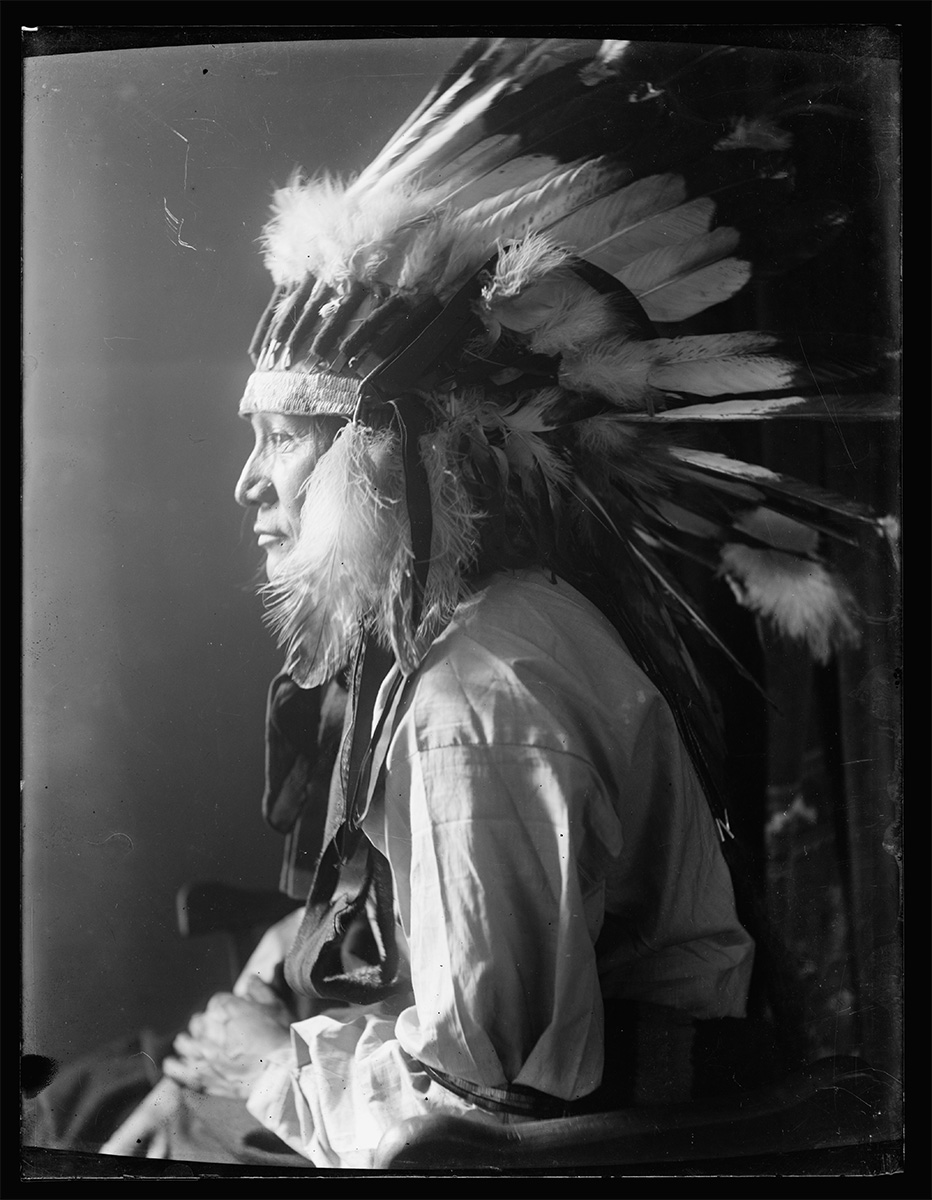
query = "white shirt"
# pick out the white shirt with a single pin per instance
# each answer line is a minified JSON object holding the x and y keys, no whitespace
{"x":535,"y":781}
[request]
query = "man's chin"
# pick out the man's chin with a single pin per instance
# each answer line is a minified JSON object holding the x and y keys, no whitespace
{"x":275,"y":564}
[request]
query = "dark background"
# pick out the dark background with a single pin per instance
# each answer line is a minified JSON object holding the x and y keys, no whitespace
{"x":146,"y":662}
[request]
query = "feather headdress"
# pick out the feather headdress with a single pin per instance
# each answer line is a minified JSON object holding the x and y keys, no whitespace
{"x":497,"y":305}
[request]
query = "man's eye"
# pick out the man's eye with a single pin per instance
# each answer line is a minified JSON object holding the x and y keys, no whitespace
{"x":280,"y":439}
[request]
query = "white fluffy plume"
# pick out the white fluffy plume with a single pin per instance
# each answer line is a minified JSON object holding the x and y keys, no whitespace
{"x":321,"y":227}
{"x":520,"y":266}
{"x":534,"y":293}
{"x":802,"y":599}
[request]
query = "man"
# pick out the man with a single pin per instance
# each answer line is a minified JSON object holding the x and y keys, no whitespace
{"x":450,"y":476}
{"x":534,"y":782}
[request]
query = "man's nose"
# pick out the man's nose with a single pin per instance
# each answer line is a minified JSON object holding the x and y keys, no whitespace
{"x":253,"y":485}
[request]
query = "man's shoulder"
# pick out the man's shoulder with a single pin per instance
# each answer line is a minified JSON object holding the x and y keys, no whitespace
{"x":530,"y":631}
{"x":530,"y":663}
{"x":540,"y":615}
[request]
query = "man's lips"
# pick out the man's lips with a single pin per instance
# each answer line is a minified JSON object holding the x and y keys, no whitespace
{"x":266,"y":537}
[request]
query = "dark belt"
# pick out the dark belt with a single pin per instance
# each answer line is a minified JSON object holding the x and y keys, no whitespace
{"x":515,"y":1098}
{"x":653,"y":1055}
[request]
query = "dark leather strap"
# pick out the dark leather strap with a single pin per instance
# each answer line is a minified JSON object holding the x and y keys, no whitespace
{"x":292,"y":750}
{"x":413,"y":418}
{"x":369,"y":671}
{"x":314,"y":965}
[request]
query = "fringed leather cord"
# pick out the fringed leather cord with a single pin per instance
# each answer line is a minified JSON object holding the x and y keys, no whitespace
{"x":305,"y":323}
{"x":292,"y":302}
{"x":255,"y":346}
{"x":334,"y":325}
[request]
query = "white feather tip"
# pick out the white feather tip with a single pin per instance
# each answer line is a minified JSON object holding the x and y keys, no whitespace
{"x":800,"y":597}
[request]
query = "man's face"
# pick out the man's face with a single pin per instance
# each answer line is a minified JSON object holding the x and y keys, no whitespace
{"x":273,"y":481}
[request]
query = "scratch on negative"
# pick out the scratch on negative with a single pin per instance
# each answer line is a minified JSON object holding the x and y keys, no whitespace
{"x":187,"y":151}
{"x":122,"y":836}
{"x":848,"y":1092}
{"x":175,"y":225}
{"x":828,"y":407}
{"x":881,"y":1071}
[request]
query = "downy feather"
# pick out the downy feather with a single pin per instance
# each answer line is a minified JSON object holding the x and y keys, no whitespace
{"x":316,"y":228}
{"x":614,"y":369}
{"x":560,"y":313}
{"x":576,"y":316}
{"x":525,"y":449}
{"x":800,"y":597}
{"x":521,"y":265}
{"x":605,"y":439}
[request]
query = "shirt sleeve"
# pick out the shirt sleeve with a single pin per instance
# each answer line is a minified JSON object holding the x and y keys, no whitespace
{"x":344,"y":1083}
{"x":500,"y":919}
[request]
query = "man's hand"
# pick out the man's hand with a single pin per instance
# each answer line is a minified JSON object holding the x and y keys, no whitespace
{"x":227,"y":1046}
